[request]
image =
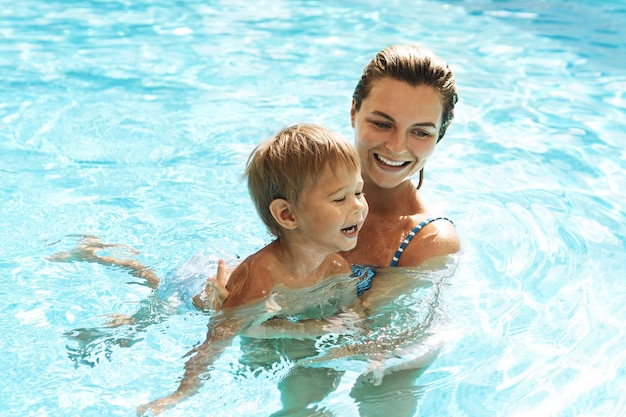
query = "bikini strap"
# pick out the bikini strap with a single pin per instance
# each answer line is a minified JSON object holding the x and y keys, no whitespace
{"x":412,"y":233}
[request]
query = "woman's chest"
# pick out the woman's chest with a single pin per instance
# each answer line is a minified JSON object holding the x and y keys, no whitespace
{"x":379,"y":239}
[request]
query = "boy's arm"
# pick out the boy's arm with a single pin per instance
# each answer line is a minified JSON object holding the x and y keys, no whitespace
{"x":233,"y":290}
{"x":222,"y":330}
{"x":88,"y":248}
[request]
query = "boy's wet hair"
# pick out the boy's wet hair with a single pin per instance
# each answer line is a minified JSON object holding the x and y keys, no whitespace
{"x":294,"y":158}
{"x":414,"y":65}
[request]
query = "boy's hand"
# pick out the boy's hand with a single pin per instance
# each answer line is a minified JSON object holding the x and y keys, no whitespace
{"x":160,"y":405}
{"x":220,"y":280}
{"x":215,"y":292}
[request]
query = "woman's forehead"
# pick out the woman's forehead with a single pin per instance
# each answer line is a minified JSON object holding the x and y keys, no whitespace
{"x":395,"y":99}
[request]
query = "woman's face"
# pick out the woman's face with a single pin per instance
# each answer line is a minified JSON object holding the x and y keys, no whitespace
{"x":396,"y":130}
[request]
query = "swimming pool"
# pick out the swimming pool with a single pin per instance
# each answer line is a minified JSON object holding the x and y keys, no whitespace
{"x":133,"y":121}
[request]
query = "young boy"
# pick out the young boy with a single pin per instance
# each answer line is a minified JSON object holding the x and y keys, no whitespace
{"x":306,"y":185}
{"x":307,"y":188}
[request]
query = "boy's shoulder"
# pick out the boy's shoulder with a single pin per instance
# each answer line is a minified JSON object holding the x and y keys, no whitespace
{"x":337,"y":264}
{"x":251,"y":280}
{"x":263,"y":261}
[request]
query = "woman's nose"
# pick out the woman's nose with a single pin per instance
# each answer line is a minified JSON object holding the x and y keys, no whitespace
{"x":396,"y":142}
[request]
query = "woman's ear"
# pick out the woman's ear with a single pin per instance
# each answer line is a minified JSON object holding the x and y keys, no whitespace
{"x":283,"y":213}
{"x":353,"y":112}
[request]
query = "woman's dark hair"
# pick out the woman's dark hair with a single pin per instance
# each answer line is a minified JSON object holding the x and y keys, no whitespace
{"x":415,"y":65}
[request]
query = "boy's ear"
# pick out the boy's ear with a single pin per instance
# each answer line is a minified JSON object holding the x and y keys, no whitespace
{"x":283,"y":213}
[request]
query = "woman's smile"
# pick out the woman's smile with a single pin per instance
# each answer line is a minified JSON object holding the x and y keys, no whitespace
{"x":392,"y":163}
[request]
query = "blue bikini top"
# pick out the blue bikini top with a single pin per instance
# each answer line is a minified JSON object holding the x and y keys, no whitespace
{"x":412,"y":233}
{"x":365,"y":274}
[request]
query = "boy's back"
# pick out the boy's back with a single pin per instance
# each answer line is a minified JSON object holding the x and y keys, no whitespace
{"x":261,"y":272}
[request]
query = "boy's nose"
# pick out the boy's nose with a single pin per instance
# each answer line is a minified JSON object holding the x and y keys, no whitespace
{"x":360,"y":205}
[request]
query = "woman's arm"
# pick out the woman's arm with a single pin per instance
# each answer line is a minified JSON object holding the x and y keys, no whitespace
{"x":349,"y":321}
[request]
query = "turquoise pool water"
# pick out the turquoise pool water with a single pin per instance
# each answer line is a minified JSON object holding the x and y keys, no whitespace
{"x":132,"y":121}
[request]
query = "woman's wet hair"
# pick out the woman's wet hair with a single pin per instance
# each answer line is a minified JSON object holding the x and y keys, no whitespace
{"x":416,"y":66}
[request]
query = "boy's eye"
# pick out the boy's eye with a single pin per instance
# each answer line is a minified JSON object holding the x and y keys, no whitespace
{"x":339,"y":199}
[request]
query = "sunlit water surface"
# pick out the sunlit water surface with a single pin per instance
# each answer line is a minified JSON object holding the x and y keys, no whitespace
{"x":132,"y":121}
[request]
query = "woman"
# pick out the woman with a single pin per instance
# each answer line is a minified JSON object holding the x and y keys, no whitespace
{"x":401,"y":108}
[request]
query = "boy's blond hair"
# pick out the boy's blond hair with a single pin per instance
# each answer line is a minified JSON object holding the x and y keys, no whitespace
{"x":294,"y":158}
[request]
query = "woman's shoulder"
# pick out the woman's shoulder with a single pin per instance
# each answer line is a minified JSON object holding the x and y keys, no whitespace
{"x":431,"y":237}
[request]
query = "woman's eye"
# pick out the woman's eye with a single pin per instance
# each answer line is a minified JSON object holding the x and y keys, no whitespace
{"x":381,"y":125}
{"x":422,"y":134}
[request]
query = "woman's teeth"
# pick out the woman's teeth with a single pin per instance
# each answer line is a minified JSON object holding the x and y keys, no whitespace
{"x":390,"y":162}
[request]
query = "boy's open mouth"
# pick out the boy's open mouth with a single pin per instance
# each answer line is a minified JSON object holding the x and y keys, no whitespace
{"x":350,"y":230}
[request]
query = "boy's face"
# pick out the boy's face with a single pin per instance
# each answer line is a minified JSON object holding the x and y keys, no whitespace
{"x":330,"y":212}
